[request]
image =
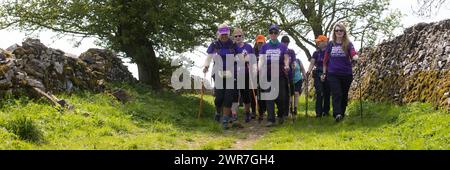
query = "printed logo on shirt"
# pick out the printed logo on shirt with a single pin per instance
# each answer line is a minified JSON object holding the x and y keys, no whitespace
{"x":273,"y":54}
{"x":336,"y":51}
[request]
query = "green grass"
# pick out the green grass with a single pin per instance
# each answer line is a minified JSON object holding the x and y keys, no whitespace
{"x":169,"y":121}
{"x":383,"y":127}
{"x":151,"y":121}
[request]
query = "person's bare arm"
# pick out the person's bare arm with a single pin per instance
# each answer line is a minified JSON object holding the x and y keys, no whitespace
{"x":311,"y":66}
{"x":207,"y":62}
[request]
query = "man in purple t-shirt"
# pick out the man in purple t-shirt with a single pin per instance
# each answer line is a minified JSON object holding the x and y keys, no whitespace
{"x":223,"y":50}
{"x":275,"y":52}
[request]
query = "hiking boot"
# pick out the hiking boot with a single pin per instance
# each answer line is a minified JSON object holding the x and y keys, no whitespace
{"x":339,"y":118}
{"x":253,"y":115}
{"x":319,"y":115}
{"x":260,"y":119}
{"x":217,"y":117}
{"x":237,"y":125}
{"x":281,"y":120}
{"x":247,"y":117}
{"x":325,"y":114}
{"x":225,"y":121}
{"x":234,"y":118}
{"x":270,"y":124}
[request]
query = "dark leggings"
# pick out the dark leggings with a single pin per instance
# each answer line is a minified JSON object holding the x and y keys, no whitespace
{"x":322,"y":94}
{"x":339,"y":85}
{"x":282,"y":101}
{"x":224,"y":97}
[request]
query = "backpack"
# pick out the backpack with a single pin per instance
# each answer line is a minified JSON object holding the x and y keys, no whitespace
{"x":217,"y":46}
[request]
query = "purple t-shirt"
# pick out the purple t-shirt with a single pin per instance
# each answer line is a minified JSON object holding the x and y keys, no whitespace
{"x":222,"y":49}
{"x":318,"y":56}
{"x":338,"y":61}
{"x":274,"y":53}
{"x":248,"y":49}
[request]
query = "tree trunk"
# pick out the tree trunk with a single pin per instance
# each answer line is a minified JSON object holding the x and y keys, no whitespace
{"x":148,"y":66}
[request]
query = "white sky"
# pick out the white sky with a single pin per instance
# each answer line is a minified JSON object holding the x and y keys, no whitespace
{"x":10,"y":37}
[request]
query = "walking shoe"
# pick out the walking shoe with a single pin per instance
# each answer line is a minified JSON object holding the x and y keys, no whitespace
{"x":260,"y":118}
{"x":237,"y":125}
{"x":270,"y":124}
{"x":247,"y":117}
{"x":234,"y":118}
{"x":225,"y":121}
{"x":339,"y":118}
{"x":281,"y":120}
{"x":217,"y":117}
{"x":253,"y":115}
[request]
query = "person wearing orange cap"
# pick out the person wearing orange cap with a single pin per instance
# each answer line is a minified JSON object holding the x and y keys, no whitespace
{"x":337,"y":67}
{"x":260,"y":41}
{"x":322,"y":87}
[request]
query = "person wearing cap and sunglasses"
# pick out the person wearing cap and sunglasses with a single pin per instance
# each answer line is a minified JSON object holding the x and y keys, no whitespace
{"x":337,"y":68}
{"x":260,"y":41}
{"x":322,"y":88}
{"x":296,"y":73}
{"x":223,"y":50}
{"x":274,"y":53}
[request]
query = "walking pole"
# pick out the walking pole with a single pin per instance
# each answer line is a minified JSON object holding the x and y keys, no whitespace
{"x":200,"y":111}
{"x":289,"y":94}
{"x":254,"y":94}
{"x":306,"y":96}
{"x":360,"y":93}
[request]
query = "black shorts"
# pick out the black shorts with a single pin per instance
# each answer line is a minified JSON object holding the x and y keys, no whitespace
{"x":298,"y":86}
{"x":292,"y":88}
{"x":246,"y":95}
{"x":225,"y":97}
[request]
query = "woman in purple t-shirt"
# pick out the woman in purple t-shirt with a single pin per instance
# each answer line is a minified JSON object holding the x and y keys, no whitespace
{"x":322,"y":88}
{"x":337,"y":68}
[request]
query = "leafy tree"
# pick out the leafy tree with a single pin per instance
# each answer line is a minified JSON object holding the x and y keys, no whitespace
{"x":429,"y":8}
{"x":304,"y":20}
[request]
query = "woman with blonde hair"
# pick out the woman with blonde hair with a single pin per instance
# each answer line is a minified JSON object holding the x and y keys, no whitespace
{"x":337,"y":68}
{"x":244,"y":51}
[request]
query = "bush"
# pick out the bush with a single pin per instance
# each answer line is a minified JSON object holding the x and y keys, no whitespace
{"x":25,"y":129}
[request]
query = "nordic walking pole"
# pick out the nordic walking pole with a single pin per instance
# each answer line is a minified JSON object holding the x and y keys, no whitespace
{"x":200,"y":111}
{"x":289,"y":94}
{"x":306,"y":96}
{"x":360,"y":93}
{"x":254,"y":95}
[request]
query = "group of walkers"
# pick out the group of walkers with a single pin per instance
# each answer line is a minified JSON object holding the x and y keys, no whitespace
{"x":247,"y":74}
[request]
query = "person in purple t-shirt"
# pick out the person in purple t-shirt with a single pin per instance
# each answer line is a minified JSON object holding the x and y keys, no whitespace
{"x":274,"y":51}
{"x":260,"y":41}
{"x":224,"y":49}
{"x":244,"y":52}
{"x":337,"y":67}
{"x":322,"y":88}
{"x":294,"y":87}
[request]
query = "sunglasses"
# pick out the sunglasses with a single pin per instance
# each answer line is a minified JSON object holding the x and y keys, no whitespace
{"x":238,"y":36}
{"x":273,"y":32}
{"x":339,"y":31}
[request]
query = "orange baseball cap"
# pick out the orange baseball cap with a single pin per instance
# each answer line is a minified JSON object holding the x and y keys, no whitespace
{"x":260,"y":38}
{"x":321,"y":38}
